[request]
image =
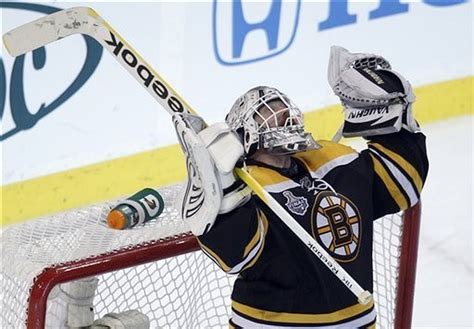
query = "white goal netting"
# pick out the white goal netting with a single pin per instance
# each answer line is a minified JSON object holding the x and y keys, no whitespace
{"x":185,"y":291}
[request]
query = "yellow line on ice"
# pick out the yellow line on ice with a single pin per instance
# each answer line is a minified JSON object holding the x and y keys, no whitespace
{"x":90,"y":184}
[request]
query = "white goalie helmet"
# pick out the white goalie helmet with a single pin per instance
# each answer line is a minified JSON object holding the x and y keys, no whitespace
{"x":265,"y":118}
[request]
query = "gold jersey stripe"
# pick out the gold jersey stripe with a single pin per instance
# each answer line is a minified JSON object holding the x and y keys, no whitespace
{"x":301,"y":318}
{"x":315,"y":159}
{"x":264,"y":221}
{"x":390,"y":184}
{"x":221,"y":263}
{"x":252,"y":242}
{"x":404,"y":164}
{"x":265,"y":176}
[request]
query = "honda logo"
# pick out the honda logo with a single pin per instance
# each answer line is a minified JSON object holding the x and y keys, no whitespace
{"x":257,"y":30}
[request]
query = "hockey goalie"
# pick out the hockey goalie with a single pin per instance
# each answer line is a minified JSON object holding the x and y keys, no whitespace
{"x":333,"y":192}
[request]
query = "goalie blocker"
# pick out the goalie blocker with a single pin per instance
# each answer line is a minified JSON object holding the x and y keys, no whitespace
{"x":211,"y":188}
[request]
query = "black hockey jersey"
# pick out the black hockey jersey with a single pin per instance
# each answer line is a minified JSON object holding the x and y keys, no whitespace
{"x":334,"y":193}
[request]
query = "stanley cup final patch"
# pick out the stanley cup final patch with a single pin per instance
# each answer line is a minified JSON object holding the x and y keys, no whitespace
{"x":296,"y":204}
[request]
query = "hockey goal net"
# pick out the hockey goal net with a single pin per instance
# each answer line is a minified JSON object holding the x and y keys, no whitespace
{"x":156,"y":270}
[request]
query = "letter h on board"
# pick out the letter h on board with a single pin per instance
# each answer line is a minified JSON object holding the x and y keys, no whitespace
{"x":270,"y":25}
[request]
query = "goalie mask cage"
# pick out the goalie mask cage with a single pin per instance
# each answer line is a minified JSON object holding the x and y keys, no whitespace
{"x":158,"y":270}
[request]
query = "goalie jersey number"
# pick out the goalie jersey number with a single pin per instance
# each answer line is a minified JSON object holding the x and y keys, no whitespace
{"x":336,"y":225}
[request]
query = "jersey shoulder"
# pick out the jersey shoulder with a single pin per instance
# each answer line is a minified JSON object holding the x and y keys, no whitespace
{"x":318,"y":163}
{"x":266,"y":176}
{"x":331,"y":154}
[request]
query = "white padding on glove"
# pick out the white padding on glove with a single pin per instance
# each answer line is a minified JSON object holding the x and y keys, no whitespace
{"x":355,"y":89}
{"x":374,"y":102}
{"x":226,"y":149}
{"x":341,"y":60}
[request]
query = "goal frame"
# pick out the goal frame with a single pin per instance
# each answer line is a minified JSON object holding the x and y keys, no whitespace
{"x":187,"y":242}
{"x":407,"y":272}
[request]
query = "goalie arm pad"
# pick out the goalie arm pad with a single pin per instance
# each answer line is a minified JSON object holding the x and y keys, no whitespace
{"x":376,"y":99}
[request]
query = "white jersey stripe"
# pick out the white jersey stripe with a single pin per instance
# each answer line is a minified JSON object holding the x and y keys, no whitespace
{"x":280,"y":187}
{"x":400,"y":177}
{"x":339,"y":161}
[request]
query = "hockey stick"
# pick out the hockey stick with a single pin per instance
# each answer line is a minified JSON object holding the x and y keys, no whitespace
{"x":84,"y":20}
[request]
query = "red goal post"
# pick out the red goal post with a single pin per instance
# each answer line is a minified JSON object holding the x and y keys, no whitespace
{"x":117,"y":260}
{"x":407,"y":273}
{"x":183,"y":287}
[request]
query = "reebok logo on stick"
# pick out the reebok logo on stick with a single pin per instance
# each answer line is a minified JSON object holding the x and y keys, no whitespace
{"x":143,"y":71}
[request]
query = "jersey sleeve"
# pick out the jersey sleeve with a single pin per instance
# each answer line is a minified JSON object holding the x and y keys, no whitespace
{"x":237,"y":238}
{"x":401,"y":165}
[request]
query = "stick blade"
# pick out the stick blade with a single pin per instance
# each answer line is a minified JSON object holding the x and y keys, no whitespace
{"x":47,"y":29}
{"x":21,"y":40}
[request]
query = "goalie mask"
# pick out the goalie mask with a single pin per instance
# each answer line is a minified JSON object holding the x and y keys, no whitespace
{"x":267,"y":119}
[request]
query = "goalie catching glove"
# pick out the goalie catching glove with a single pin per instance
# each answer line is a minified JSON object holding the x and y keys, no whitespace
{"x":211,"y":188}
{"x":376,"y":99}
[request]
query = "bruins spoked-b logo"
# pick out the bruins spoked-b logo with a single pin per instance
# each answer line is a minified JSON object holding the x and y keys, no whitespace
{"x":336,"y":225}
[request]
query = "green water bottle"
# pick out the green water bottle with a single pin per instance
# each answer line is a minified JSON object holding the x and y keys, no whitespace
{"x":141,"y":207}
